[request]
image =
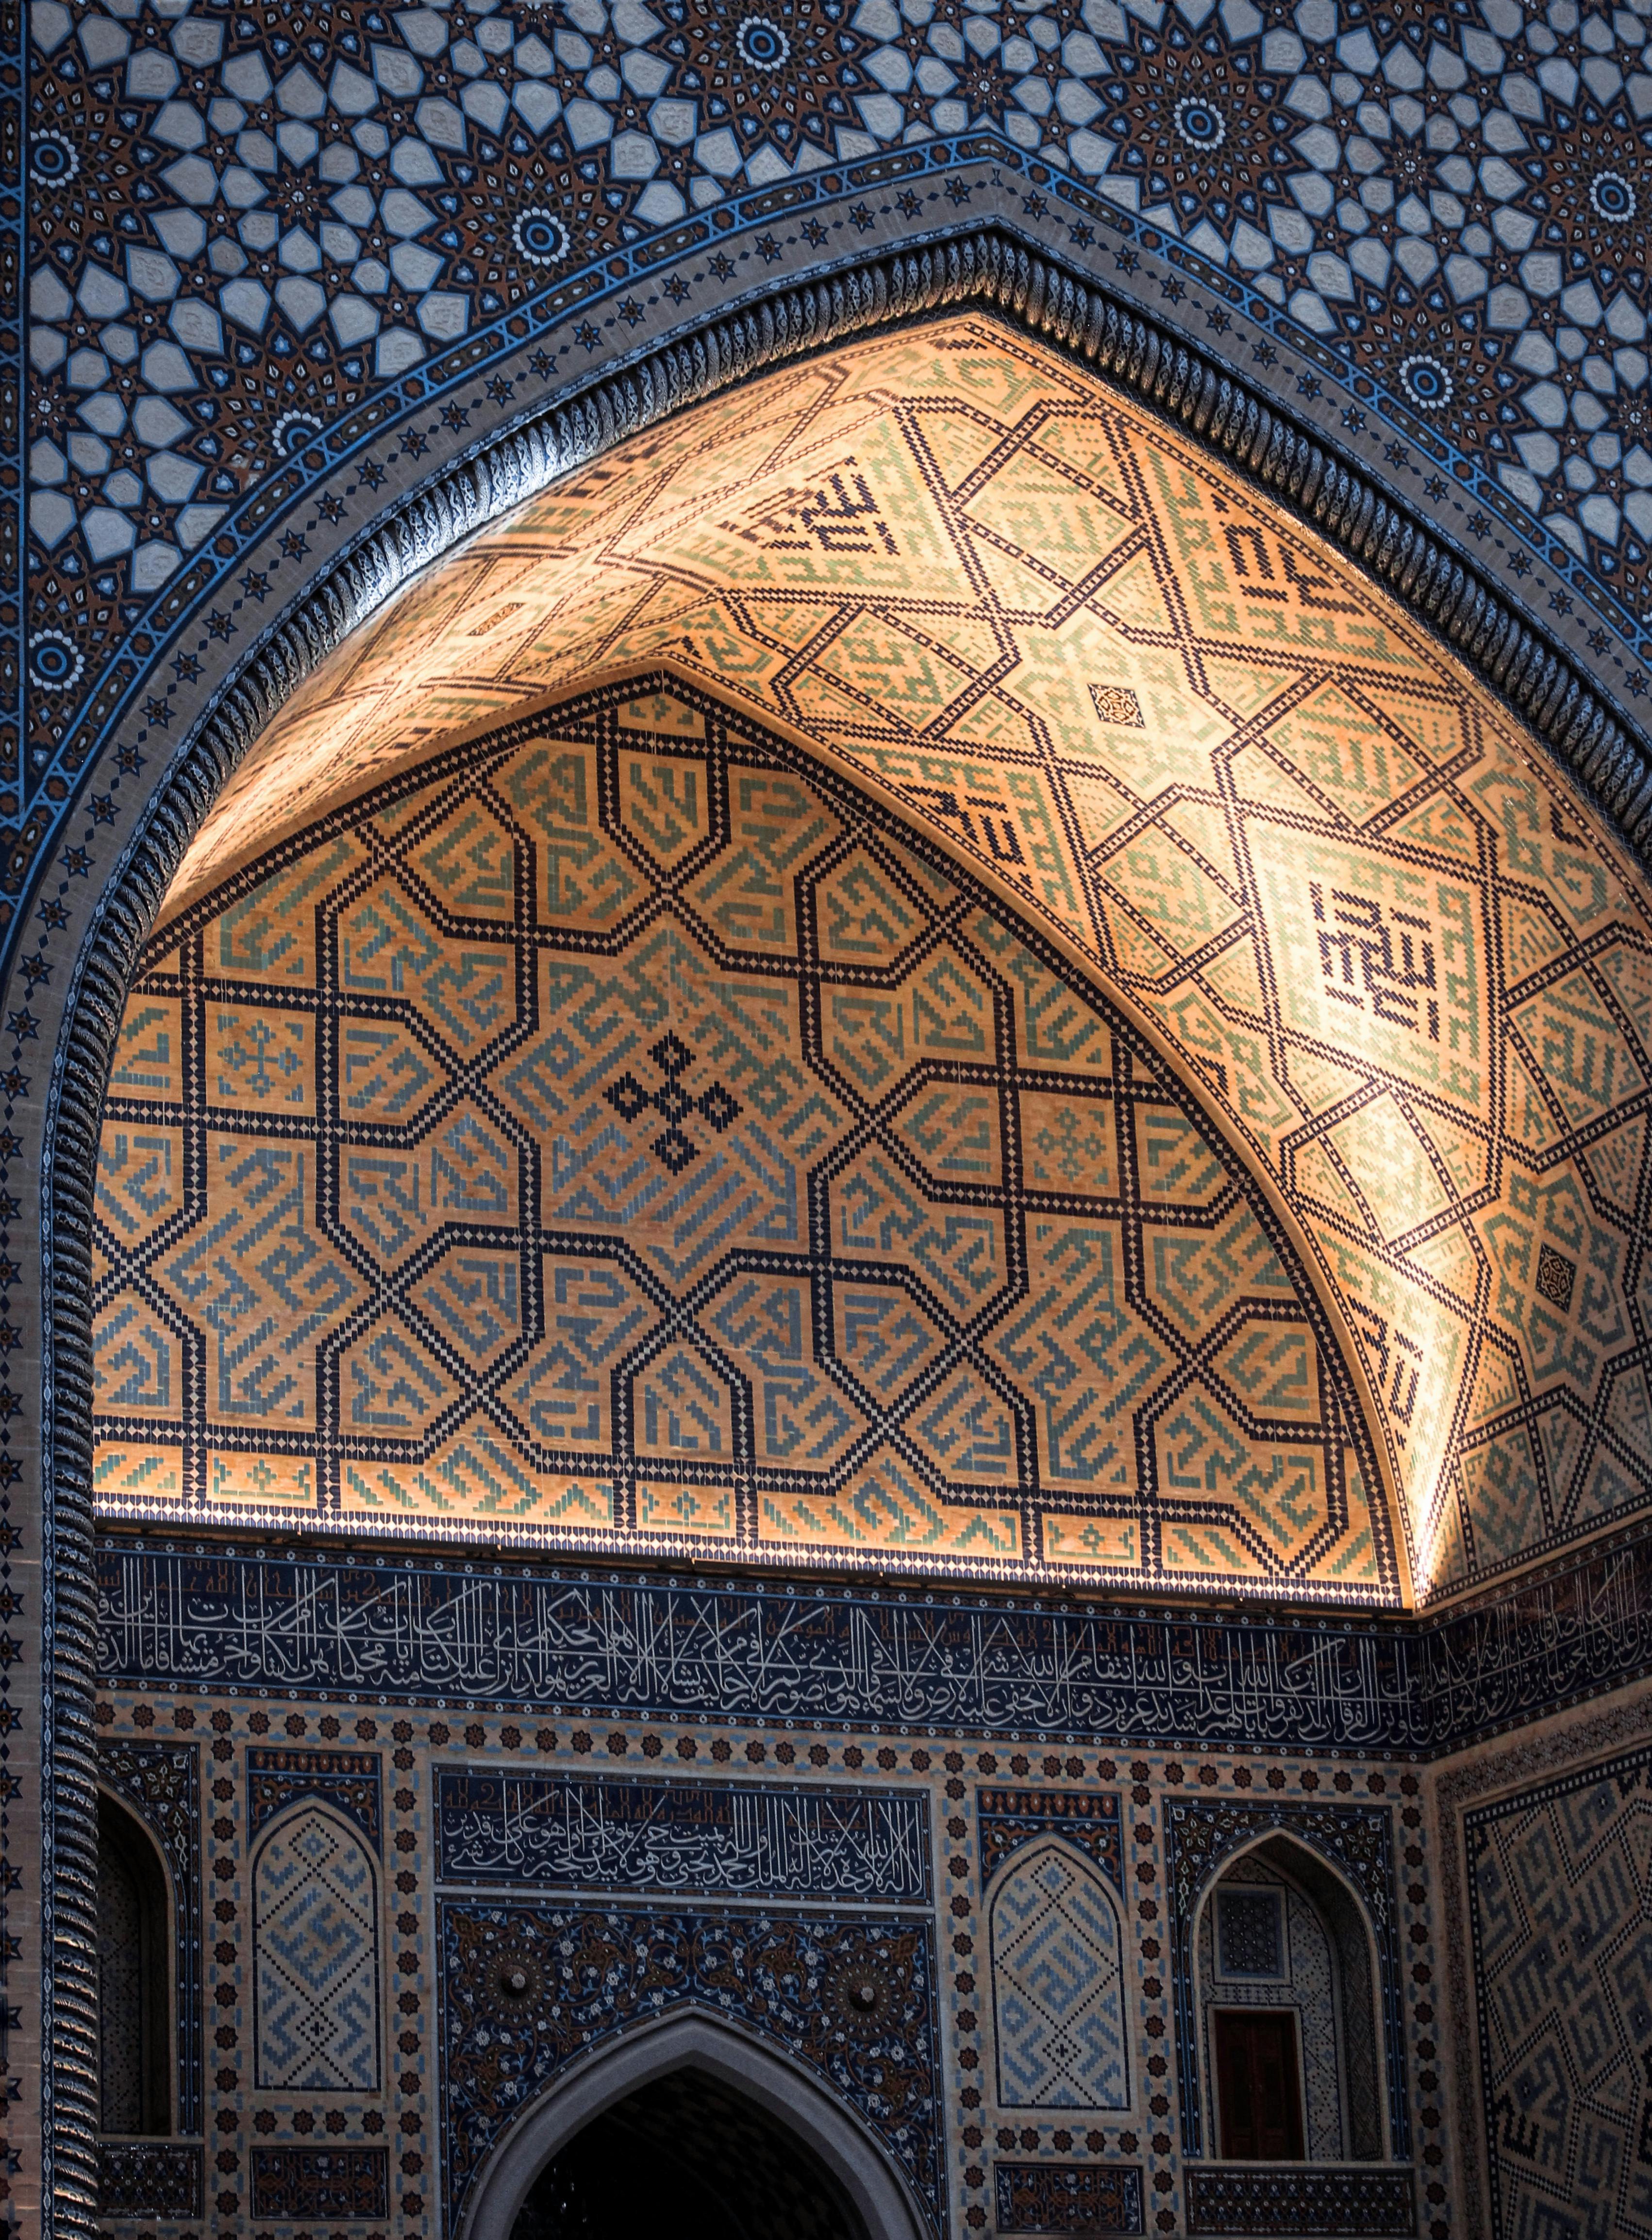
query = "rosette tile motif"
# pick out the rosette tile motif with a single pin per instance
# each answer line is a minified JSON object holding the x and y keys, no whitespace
{"x":331,"y":197}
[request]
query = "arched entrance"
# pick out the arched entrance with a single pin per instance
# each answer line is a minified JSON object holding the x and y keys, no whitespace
{"x":689,"y":2152}
{"x":1194,"y":750}
{"x":690,"y":2119}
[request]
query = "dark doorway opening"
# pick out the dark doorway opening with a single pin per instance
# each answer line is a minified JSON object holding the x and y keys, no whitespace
{"x":134,"y":2038}
{"x":1259,"y":2086}
{"x":690,"y":2155}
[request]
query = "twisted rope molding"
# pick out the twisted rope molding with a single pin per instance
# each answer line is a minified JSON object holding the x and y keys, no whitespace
{"x":986,"y":268}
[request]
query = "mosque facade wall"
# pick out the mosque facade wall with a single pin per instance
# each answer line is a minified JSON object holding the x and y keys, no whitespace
{"x":1518,"y":2028}
{"x":1583,"y":1650}
{"x":405,"y":1910}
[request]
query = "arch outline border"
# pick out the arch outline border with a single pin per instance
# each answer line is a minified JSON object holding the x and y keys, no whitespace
{"x":1254,"y":1842}
{"x":1227,"y":1829}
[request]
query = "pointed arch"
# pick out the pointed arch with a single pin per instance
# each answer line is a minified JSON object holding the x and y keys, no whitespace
{"x":1056,"y":1944}
{"x":980,"y":262}
{"x":134,"y":1976}
{"x":712,"y":2049}
{"x":316,"y":1956}
{"x":1279,"y":1932}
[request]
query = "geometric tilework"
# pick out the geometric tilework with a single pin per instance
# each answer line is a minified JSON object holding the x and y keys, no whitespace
{"x":1250,"y":1934}
{"x":149,"y":2177}
{"x":315,"y":1958}
{"x":1562,"y":1958}
{"x":1322,"y":869}
{"x":1273,"y":2204}
{"x":320,"y":2181}
{"x":1350,"y":192}
{"x":618,"y":1131}
{"x":1057,"y":1996}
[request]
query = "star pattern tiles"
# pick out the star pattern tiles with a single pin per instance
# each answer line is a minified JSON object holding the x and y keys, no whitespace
{"x":623,"y":1133}
{"x":247,"y":222}
{"x":1318,"y":866}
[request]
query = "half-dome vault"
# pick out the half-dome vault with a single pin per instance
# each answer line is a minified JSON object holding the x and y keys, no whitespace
{"x":1316,"y":897}
{"x":621,"y":1129}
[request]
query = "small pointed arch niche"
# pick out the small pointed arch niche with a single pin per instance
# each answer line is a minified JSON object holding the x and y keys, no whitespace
{"x":1057,"y":1945}
{"x":1288,"y":2012}
{"x":134,"y":1978}
{"x":317,"y":1955}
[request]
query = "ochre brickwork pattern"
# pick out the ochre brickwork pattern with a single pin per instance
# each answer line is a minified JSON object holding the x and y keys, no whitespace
{"x":614,"y":1135}
{"x":1324,"y":868}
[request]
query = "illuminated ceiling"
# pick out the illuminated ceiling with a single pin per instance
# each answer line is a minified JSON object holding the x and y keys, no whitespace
{"x":618,"y":1133}
{"x":1319,"y":866}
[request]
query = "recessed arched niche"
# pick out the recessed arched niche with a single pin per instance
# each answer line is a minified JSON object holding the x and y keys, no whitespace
{"x":1057,"y":1947}
{"x":1289,"y":2013}
{"x":1219,"y":779}
{"x":687,"y":2152}
{"x":134,"y":1978}
{"x":316,"y":1978}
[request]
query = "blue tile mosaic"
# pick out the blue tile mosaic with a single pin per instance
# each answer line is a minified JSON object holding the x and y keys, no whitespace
{"x":524,"y":1990}
{"x":1007,"y":1820}
{"x":347,"y":1780}
{"x":1045,"y":2198}
{"x":328,"y":2183}
{"x":1558,"y":1920}
{"x":259,"y":249}
{"x":149,"y":2178}
{"x":1277,"y":2203}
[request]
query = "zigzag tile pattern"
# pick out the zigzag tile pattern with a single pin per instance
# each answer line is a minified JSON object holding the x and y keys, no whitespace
{"x":620,"y":1134}
{"x":1322,"y":867}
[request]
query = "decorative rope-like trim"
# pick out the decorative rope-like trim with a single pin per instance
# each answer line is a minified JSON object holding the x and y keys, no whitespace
{"x":986,"y":269}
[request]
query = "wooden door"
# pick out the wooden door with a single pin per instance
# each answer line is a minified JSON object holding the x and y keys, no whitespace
{"x":1259,"y":2086}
